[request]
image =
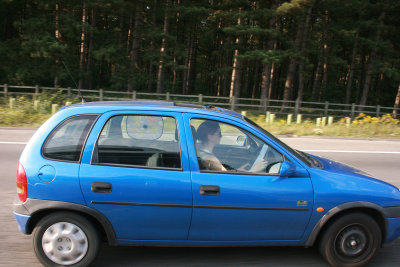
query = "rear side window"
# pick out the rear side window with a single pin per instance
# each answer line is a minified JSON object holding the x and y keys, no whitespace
{"x":66,"y":141}
{"x":139,"y":140}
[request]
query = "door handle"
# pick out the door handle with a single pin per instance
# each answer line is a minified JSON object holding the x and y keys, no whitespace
{"x":209,"y":190}
{"x":100,"y":187}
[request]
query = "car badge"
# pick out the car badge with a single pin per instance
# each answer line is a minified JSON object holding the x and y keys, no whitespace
{"x":302,"y":203}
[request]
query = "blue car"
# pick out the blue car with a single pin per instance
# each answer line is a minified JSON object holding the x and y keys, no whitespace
{"x":162,"y":173}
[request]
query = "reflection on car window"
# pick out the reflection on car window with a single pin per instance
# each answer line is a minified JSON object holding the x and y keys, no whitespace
{"x":66,"y":141}
{"x":227,"y":148}
{"x":136,"y":140}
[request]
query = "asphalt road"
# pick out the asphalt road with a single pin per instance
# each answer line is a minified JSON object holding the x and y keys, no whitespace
{"x":380,"y":158}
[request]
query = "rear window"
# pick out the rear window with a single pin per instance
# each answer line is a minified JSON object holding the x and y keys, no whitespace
{"x":140,"y":141}
{"x":66,"y":141}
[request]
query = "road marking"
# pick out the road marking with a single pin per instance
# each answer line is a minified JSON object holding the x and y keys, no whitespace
{"x":14,"y":143}
{"x":351,"y":151}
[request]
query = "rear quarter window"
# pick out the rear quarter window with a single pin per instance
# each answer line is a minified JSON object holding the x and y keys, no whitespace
{"x":66,"y":141}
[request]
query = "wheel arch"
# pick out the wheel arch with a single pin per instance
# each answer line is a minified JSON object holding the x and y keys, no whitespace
{"x":41,"y":208}
{"x":371,"y":209}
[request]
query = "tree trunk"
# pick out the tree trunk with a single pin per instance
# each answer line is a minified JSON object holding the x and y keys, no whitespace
{"x":160,"y":75}
{"x":317,"y":76}
{"x":134,"y":53}
{"x":236,"y":81}
{"x":351,"y":70}
{"x":82,"y":48}
{"x":324,"y":83}
{"x":90,"y":52}
{"x":396,"y":103}
{"x":287,"y":91}
{"x":152,"y":48}
{"x":58,"y":37}
{"x":300,"y":91}
{"x":266,"y":77}
{"x":368,"y":77}
{"x":129,"y":37}
{"x":189,"y":45}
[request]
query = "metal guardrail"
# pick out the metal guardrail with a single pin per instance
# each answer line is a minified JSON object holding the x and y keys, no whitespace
{"x":280,"y":107}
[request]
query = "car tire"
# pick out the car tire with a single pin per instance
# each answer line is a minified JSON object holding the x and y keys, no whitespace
{"x":65,"y":239}
{"x":351,"y":240}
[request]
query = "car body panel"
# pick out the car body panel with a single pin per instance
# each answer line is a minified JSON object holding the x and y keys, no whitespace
{"x":155,"y":206}
{"x":249,"y":207}
{"x":145,"y":203}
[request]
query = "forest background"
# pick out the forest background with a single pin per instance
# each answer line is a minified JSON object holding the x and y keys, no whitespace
{"x":309,"y":50}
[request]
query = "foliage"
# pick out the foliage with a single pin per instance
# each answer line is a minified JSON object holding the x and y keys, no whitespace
{"x":123,"y":45}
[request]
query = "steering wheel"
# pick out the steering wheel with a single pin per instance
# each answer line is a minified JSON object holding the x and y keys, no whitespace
{"x":261,"y":154}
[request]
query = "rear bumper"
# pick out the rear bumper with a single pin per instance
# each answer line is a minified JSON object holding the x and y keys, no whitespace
{"x":22,"y":221}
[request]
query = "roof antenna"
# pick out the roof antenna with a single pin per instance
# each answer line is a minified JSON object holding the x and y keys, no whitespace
{"x":72,"y":78}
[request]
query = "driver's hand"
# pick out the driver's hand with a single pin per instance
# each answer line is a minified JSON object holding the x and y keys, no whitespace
{"x":259,"y":166}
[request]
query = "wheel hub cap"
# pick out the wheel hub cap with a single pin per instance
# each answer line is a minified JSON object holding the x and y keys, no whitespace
{"x":352,"y":241}
{"x":64,"y":243}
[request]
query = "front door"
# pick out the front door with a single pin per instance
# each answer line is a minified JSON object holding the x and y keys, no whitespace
{"x":135,"y":171}
{"x":237,"y":192}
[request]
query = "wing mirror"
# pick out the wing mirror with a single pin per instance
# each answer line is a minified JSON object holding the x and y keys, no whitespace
{"x":287,"y":169}
{"x":241,"y":140}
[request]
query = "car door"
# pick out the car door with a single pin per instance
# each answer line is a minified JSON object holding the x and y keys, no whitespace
{"x":135,"y":171}
{"x":237,"y":203}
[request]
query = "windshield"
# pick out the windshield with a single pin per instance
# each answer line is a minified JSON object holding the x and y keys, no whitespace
{"x":300,"y":155}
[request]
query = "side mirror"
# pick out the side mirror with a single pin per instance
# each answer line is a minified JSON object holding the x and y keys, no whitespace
{"x":241,"y":140}
{"x":287,"y":169}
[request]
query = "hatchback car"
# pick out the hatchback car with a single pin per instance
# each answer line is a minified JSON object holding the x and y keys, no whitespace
{"x":161,"y":173}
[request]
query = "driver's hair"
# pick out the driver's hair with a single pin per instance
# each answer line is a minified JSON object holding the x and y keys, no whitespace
{"x":206,"y":128}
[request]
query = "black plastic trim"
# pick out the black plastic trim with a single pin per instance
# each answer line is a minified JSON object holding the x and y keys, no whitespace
{"x":196,"y":206}
{"x":33,"y":206}
{"x":386,"y":213}
{"x":392,"y":212}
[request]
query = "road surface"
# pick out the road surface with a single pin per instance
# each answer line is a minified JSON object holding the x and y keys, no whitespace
{"x":380,"y":158}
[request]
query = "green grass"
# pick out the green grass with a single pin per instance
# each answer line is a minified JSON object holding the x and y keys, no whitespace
{"x":361,"y":127}
{"x":24,"y":114}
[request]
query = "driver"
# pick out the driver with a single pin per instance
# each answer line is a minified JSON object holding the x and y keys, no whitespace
{"x":209,"y":135}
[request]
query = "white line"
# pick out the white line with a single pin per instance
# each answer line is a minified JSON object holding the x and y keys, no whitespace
{"x":14,"y":143}
{"x":352,"y":151}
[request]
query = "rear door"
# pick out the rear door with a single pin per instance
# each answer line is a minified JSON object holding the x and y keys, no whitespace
{"x":135,"y":171}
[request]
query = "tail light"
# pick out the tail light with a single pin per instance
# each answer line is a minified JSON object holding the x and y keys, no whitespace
{"x":22,"y":185}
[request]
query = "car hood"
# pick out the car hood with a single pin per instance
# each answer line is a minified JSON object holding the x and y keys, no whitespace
{"x":331,"y":176}
{"x":335,"y":166}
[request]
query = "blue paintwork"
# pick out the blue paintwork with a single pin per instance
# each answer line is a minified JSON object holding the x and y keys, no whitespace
{"x":244,"y":213}
{"x":22,"y":221}
{"x":141,"y":185}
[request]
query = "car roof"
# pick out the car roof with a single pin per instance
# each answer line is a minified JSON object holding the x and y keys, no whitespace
{"x":105,"y":106}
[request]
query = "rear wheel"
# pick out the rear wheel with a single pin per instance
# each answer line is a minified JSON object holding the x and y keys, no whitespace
{"x":65,"y":239}
{"x":352,"y":240}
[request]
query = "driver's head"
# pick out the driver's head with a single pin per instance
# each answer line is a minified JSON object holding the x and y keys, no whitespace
{"x":208,"y":129}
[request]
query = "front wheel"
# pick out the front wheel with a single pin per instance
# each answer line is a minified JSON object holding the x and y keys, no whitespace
{"x":65,"y":239}
{"x":351,"y":241}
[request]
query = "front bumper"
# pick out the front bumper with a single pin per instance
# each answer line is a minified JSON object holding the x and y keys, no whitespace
{"x":393,"y":229}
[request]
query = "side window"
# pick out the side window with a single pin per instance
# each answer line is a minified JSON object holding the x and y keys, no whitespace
{"x":224,"y":147}
{"x":65,"y":143}
{"x":136,"y":140}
